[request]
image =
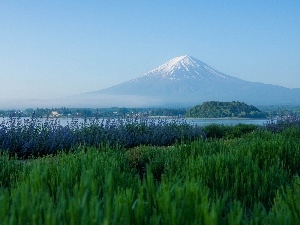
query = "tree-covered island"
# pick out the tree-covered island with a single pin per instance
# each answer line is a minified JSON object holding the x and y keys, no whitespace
{"x":216,"y":109}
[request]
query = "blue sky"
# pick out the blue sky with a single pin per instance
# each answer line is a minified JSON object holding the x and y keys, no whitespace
{"x":60,"y":48}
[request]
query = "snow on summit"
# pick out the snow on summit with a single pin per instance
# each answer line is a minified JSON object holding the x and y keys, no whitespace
{"x":183,"y":67}
{"x":168,"y":68}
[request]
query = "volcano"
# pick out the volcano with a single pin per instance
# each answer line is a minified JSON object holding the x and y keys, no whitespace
{"x":186,"y":81}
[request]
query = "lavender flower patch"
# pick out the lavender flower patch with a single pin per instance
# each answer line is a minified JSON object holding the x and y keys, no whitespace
{"x":36,"y":136}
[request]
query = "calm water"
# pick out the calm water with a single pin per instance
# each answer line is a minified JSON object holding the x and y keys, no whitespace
{"x":198,"y":121}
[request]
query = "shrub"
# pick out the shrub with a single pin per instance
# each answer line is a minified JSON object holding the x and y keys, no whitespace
{"x":223,"y":131}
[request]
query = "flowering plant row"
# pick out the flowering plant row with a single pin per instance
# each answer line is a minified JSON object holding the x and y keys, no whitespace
{"x":36,"y":136}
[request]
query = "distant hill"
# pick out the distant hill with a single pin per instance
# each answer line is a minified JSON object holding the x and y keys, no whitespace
{"x":215,"y":109}
{"x":186,"y":81}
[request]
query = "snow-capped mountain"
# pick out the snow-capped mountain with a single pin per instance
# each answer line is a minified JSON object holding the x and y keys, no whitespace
{"x":186,"y":81}
{"x":181,"y":75}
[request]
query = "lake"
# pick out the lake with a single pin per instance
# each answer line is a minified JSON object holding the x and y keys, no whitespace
{"x":195,"y":121}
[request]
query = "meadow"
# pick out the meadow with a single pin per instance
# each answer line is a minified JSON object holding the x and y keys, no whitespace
{"x":213,"y":175}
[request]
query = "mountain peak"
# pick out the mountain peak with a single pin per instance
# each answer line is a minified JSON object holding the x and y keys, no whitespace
{"x":180,"y":59}
{"x":183,"y":63}
{"x":184,"y":67}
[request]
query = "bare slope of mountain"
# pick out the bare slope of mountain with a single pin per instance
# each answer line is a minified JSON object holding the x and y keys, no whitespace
{"x":187,"y":81}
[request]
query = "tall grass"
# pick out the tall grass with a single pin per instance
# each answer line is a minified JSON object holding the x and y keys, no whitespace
{"x":252,"y":179}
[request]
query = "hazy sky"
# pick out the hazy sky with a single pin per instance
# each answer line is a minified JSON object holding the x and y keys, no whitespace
{"x":60,"y":48}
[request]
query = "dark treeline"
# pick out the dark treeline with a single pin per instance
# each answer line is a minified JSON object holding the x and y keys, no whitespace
{"x":211,"y":109}
{"x":281,"y":110}
{"x":91,"y":112}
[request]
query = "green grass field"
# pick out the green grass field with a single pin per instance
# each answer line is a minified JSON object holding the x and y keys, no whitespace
{"x":235,"y":179}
